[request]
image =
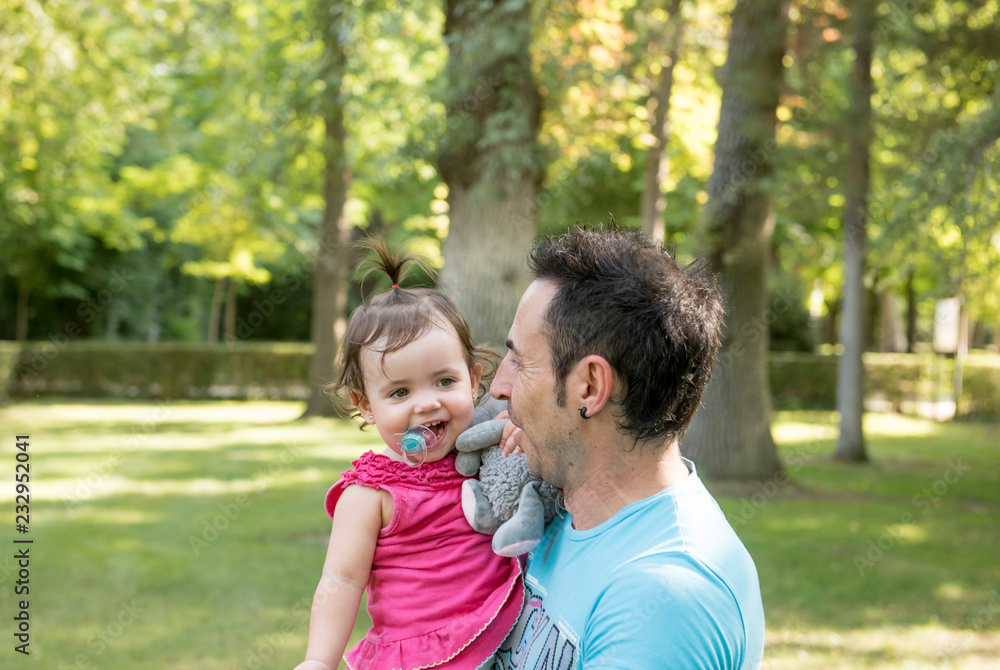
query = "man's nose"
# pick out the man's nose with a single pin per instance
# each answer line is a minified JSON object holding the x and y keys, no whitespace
{"x":500,"y":388}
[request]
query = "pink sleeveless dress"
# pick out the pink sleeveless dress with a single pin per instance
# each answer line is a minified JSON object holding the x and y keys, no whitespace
{"x":438,"y":596}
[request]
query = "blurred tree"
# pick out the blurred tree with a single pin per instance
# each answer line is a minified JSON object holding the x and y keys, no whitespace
{"x":850,"y":371}
{"x":730,"y":437}
{"x":665,"y":26}
{"x":940,"y":99}
{"x":65,"y":97}
{"x":329,"y":312}
{"x":490,"y":159}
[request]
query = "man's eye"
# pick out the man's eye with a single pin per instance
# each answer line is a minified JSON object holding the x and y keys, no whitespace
{"x":399,"y":393}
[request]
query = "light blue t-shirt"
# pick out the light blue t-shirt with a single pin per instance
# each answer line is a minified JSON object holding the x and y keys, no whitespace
{"x":664,"y":583}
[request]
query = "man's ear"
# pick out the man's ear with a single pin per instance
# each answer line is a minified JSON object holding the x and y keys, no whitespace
{"x":361,"y":402}
{"x":590,"y":384}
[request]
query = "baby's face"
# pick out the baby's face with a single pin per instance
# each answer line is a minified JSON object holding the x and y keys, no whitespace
{"x":426,"y":383}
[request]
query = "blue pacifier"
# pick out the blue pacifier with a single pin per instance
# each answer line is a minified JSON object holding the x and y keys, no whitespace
{"x":413,"y":443}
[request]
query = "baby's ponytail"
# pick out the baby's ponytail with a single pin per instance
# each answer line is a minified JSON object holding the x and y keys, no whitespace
{"x":389,"y":262}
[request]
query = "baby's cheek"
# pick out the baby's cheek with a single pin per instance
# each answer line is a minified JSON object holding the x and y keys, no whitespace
{"x":463,"y":421}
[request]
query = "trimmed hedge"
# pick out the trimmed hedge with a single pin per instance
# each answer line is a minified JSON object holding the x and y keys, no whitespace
{"x":980,"y":387}
{"x":895,"y":382}
{"x":10,"y":352}
{"x":803,"y":381}
{"x":164,"y":370}
{"x":280,"y":371}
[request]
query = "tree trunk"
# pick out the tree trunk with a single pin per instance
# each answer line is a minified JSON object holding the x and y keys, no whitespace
{"x":215,"y":310}
{"x":230,"y":316}
{"x":730,"y":437}
{"x":329,"y":318}
{"x":911,"y":314}
{"x":978,"y":337}
{"x":960,"y":355}
{"x":870,"y":317}
{"x":490,"y":160}
{"x":654,"y":200}
{"x":850,"y":373}
{"x":831,"y":323}
{"x":893,"y":339}
{"x":21,"y":328}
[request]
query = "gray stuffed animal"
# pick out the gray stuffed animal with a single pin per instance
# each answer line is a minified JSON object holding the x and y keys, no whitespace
{"x":506,"y":501}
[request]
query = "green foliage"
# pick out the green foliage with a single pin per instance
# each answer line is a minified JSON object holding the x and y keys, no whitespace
{"x":10,"y":353}
{"x":792,"y":328}
{"x":63,"y":95}
{"x":185,"y":138}
{"x":492,"y":104}
{"x":802,"y":381}
{"x":173,"y":371}
{"x":980,"y":388}
{"x":897,"y":382}
{"x":931,"y":207}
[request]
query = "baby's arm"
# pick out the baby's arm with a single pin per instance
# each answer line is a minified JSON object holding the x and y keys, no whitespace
{"x":356,"y":524}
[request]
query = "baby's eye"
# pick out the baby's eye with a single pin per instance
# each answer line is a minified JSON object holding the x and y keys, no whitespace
{"x":446,"y":382}
{"x":399,"y":393}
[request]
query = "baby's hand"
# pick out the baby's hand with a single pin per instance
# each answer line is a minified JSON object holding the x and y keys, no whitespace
{"x":511,"y":438}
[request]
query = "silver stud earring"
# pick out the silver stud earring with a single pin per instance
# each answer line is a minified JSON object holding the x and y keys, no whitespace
{"x":371,"y":418}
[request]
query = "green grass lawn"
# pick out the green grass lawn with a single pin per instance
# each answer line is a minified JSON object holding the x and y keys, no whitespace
{"x":190,"y":535}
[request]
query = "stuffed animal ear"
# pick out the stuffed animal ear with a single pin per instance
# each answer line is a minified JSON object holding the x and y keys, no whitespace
{"x":481,"y":436}
{"x":488,"y":408}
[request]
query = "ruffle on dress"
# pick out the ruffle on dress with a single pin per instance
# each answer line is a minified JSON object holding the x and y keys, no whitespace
{"x":378,"y":471}
{"x":421,"y":652}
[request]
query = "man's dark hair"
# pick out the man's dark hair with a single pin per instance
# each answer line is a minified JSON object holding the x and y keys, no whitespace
{"x":621,"y":296}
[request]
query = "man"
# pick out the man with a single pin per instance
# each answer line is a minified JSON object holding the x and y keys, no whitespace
{"x":609,"y":352}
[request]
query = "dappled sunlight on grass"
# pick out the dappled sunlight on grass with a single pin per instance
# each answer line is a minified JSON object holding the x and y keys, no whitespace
{"x":100,"y":516}
{"x":897,"y":425}
{"x":882,"y":648}
{"x":794,"y":432}
{"x":212,"y":522}
{"x":55,"y":413}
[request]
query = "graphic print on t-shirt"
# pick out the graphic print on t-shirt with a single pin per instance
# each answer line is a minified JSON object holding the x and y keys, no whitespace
{"x":536,"y":637}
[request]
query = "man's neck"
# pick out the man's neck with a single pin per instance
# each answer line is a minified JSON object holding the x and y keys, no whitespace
{"x":627,"y":477}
